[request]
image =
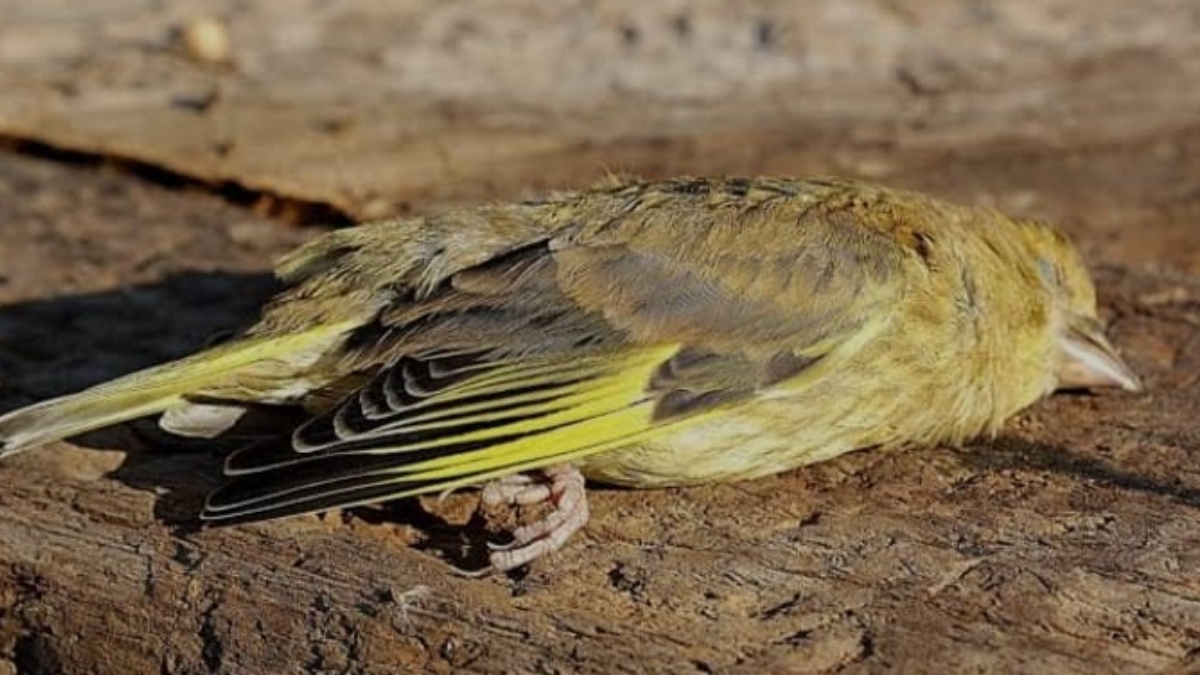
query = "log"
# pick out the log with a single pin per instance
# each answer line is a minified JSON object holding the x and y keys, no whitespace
{"x":1067,"y":544}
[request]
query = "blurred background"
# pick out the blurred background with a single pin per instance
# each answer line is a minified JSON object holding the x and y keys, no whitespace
{"x":157,"y":155}
{"x":375,"y":108}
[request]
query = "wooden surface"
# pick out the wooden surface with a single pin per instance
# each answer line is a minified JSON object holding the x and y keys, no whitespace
{"x":143,"y":195}
{"x":382,"y":107}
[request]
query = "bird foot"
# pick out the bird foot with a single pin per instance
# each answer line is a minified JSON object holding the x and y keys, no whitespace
{"x":562,"y":487}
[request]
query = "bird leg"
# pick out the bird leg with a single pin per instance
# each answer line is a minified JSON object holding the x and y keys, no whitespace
{"x":562,"y":487}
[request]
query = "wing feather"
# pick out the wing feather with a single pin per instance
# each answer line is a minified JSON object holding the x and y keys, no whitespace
{"x":497,"y":427}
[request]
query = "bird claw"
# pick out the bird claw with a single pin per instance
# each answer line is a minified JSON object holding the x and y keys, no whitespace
{"x":472,"y":574}
{"x":506,"y":546}
{"x":514,"y":493}
{"x":564,"y":489}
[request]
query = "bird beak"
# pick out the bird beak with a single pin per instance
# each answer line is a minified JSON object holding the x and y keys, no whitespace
{"x":1090,"y":361}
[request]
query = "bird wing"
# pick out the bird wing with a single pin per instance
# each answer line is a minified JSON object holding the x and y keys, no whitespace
{"x":398,"y":437}
{"x":604,"y":335}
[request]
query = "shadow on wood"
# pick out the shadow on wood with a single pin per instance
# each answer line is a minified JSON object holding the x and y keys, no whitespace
{"x":1011,"y":452}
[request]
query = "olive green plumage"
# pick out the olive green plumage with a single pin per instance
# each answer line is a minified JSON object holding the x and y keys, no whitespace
{"x":654,"y":333}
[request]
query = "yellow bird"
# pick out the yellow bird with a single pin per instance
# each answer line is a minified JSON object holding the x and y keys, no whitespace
{"x":639,"y":333}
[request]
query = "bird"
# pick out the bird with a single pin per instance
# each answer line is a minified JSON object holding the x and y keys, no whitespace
{"x":637,"y":333}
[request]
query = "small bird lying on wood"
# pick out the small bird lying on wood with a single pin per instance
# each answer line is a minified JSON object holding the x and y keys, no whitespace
{"x":642,"y":334}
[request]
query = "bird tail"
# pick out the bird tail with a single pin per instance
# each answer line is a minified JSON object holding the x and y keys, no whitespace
{"x":248,"y":365}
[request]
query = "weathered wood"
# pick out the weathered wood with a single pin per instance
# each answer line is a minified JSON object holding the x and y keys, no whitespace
{"x":379,"y":107}
{"x":1069,"y":544}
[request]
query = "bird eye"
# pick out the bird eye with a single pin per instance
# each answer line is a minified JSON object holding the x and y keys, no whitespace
{"x":1049,"y":272}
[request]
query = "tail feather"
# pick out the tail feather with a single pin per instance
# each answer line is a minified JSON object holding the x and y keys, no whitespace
{"x":261,"y":360}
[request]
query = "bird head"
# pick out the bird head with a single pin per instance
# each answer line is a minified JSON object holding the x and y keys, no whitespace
{"x":1085,"y":359}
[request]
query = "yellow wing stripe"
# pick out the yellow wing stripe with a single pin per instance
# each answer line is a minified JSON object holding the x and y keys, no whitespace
{"x":550,"y":447}
{"x":470,"y":389}
{"x":593,"y":398}
{"x":546,"y":400}
{"x":507,"y":375}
